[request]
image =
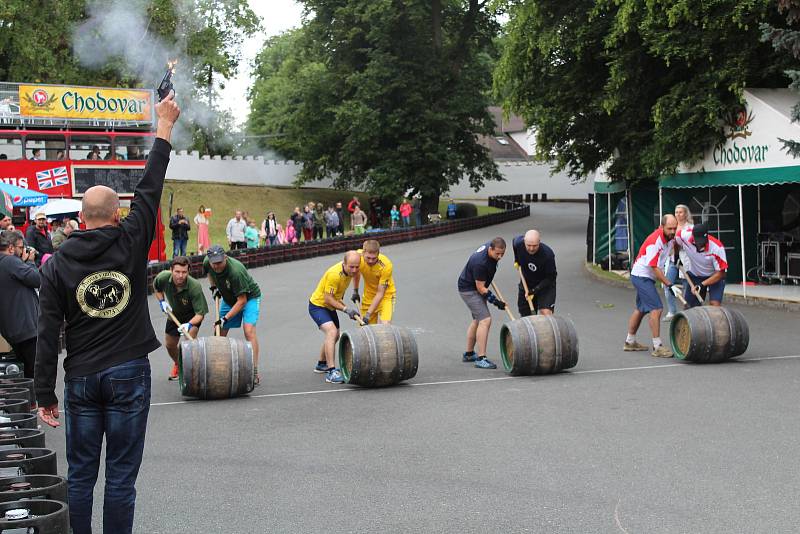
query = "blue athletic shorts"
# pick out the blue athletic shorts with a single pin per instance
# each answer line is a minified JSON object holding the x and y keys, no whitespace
{"x":715,"y":291}
{"x":322,"y":315}
{"x":250,"y":313}
{"x":647,"y":298}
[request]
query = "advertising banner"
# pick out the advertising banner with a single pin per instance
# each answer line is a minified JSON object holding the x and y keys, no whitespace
{"x":66,"y":102}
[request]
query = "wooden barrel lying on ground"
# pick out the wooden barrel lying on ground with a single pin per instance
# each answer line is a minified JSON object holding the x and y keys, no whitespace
{"x":708,"y":334}
{"x":378,"y":355}
{"x":40,"y":516}
{"x":215,"y":367}
{"x":538,"y":345}
{"x":49,"y":487}
{"x":9,"y":406}
{"x":16,"y":393}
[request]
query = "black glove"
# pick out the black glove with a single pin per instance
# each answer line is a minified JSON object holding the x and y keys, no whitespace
{"x":499,"y":303}
{"x":490,"y":297}
{"x":221,"y":322}
{"x":355,"y":297}
{"x":351,"y":312}
{"x":215,"y":294}
{"x":365,"y":318}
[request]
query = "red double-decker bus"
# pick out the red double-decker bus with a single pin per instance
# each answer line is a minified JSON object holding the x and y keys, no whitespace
{"x":62,"y":140}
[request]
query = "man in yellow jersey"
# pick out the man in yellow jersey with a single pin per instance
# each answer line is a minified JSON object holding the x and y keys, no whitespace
{"x":322,"y":306}
{"x":377,"y":306}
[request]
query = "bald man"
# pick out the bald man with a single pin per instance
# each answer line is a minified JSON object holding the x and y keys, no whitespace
{"x":322,"y":306}
{"x":537,"y":263}
{"x":98,"y":282}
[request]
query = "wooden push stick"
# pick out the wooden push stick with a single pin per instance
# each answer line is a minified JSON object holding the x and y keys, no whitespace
{"x":178,"y":323}
{"x":217,"y":328}
{"x":693,"y":287}
{"x":360,"y":321}
{"x":528,"y":295}
{"x":500,"y":295}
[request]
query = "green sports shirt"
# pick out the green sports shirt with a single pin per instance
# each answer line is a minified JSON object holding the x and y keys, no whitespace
{"x":187,"y":301}
{"x":233,"y":281}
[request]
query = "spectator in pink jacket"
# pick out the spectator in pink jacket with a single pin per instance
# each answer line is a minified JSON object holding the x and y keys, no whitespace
{"x":405,"y":212}
{"x":291,"y":235}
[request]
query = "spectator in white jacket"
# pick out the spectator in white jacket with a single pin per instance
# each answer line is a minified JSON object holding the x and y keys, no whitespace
{"x":235,"y":232}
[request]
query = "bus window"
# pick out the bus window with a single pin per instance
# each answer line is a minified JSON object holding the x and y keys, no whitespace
{"x":89,"y":147}
{"x":10,"y":147}
{"x":133,"y":147}
{"x":45,"y":147}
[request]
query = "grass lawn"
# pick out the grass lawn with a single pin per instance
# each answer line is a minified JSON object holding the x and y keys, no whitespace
{"x":225,"y":199}
{"x":482,"y":210}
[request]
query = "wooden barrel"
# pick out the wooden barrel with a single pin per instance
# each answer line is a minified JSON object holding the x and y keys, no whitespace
{"x":9,"y":406}
{"x":18,"y":420}
{"x":40,"y":516}
{"x":538,"y":345}
{"x":215,"y":367}
{"x":16,"y":393}
{"x":378,"y":355}
{"x":708,"y":334}
{"x":49,"y":487}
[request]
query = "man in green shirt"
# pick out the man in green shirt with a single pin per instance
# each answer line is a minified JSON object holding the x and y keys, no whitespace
{"x":241,"y":297}
{"x":180,"y":294}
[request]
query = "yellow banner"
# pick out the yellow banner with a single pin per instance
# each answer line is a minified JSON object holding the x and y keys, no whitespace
{"x":67,"y":102}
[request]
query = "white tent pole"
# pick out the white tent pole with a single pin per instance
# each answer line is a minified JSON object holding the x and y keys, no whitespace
{"x":594,"y":230}
{"x":609,"y":231}
{"x":741,"y":242}
{"x":660,"y":203}
{"x":629,"y":218}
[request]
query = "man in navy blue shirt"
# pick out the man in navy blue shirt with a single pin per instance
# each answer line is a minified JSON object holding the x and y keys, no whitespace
{"x":537,"y":263}
{"x":473,"y":286}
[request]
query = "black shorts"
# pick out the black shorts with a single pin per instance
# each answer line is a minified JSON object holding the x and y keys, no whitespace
{"x":546,"y":298}
{"x":171,"y":329}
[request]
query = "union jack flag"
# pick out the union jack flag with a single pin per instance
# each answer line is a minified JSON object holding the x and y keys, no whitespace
{"x":52,"y":178}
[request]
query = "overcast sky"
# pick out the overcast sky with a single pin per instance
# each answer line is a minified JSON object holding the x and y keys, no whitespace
{"x":276,"y":16}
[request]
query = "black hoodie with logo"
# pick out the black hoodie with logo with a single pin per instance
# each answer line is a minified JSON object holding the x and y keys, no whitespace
{"x":97,"y":281}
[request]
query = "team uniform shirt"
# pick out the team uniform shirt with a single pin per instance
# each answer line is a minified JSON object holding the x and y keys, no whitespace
{"x":651,"y":254}
{"x":233,"y":281}
{"x":479,"y":267}
{"x":333,"y":282}
{"x":707,"y":262}
{"x":538,"y":269}
{"x":380,"y":274}
{"x":187,"y":301}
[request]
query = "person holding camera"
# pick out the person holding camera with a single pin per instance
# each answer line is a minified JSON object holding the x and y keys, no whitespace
{"x":473,"y":286}
{"x":19,"y":280}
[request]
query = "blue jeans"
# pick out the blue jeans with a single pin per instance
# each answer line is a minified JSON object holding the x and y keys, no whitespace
{"x":114,"y":402}
{"x":672,"y":276}
{"x":406,"y":220}
{"x":179,"y":247}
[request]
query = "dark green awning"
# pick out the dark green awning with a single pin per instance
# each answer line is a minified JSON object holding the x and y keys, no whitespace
{"x":609,"y":187}
{"x":768,"y":176}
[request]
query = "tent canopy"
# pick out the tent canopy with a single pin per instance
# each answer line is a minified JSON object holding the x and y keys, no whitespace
{"x":23,"y":197}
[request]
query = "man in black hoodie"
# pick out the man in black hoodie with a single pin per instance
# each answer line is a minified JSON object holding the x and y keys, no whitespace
{"x":98,"y":283}
{"x":19,"y":281}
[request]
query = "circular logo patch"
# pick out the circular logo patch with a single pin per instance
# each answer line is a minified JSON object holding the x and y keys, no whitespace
{"x":39,"y":97}
{"x":532,"y":266}
{"x":104,"y":294}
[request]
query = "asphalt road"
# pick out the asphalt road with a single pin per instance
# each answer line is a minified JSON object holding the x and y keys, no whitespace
{"x":622,"y":443}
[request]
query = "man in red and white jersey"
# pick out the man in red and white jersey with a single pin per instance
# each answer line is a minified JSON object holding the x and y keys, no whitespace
{"x":644,"y":274}
{"x":708,"y":265}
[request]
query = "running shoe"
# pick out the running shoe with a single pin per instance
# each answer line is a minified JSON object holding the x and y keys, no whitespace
{"x":668,"y":317}
{"x":662,"y":352}
{"x":483,"y":363}
{"x":173,"y":375}
{"x":334,"y":376}
{"x":467,"y":357}
{"x":321,"y":367}
{"x":634,"y":346}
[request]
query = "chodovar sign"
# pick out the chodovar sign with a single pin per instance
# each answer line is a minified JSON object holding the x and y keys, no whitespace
{"x":732,"y":155}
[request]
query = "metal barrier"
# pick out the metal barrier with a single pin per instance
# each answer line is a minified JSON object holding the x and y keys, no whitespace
{"x":263,"y":256}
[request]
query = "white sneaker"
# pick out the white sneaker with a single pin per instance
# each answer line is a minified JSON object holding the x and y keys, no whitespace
{"x":668,"y":317}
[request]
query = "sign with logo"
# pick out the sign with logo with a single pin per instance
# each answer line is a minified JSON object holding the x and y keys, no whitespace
{"x":67,"y":102}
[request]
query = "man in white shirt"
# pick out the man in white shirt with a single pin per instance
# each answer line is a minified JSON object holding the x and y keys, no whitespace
{"x":235,"y":232}
{"x":708,"y":265}
{"x":644,"y":274}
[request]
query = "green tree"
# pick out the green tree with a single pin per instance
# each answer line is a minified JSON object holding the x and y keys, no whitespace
{"x":786,"y":38}
{"x":382,"y":94}
{"x":640,"y":85}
